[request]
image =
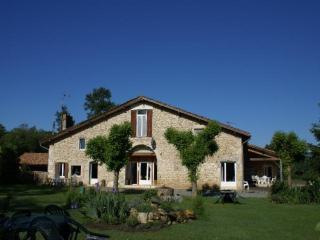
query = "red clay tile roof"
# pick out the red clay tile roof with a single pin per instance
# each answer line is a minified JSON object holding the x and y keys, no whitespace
{"x":126,"y":106}
{"x":34,"y":158}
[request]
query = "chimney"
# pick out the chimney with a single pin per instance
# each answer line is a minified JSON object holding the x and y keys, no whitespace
{"x":64,"y":117}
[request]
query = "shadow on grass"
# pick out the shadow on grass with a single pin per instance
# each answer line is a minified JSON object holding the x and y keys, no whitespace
{"x":31,"y":197}
{"x":29,"y":190}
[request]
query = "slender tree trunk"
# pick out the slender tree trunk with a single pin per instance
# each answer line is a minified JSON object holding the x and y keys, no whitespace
{"x":116,"y":181}
{"x":194,"y":188}
{"x":289,"y":176}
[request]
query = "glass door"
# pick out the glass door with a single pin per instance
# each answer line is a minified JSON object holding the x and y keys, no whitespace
{"x":93,"y":174}
{"x":145,"y":173}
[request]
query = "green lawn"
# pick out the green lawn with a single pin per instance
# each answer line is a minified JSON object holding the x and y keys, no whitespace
{"x":252,"y":219}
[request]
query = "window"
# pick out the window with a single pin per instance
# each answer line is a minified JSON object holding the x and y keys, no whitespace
{"x":62,"y":169}
{"x":82,"y":144}
{"x":75,"y":170}
{"x":196,"y":131}
{"x":228,"y":171}
{"x":141,"y":123}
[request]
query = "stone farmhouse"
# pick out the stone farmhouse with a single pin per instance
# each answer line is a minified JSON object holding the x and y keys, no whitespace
{"x":153,"y":161}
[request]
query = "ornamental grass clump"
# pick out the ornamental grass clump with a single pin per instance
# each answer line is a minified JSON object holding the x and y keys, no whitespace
{"x":111,"y":208}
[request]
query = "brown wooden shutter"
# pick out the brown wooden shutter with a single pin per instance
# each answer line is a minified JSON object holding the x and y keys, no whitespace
{"x":149,"y":123}
{"x":56,"y":170}
{"x":134,"y":123}
{"x":66,"y":170}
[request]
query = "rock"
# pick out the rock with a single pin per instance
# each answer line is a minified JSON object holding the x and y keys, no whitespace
{"x":172,"y":216}
{"x":190,"y":214}
{"x":150,"y":217}
{"x":180,"y":216}
{"x":163,"y":218}
{"x":142,"y":217}
{"x":162,"y":212}
{"x":156,"y":216}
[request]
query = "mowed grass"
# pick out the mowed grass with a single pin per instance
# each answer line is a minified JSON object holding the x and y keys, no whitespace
{"x":252,"y":219}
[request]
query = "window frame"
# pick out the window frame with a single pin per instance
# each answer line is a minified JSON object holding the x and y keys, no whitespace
{"x":72,"y":166}
{"x":62,"y":170}
{"x":197,"y":130}
{"x":224,"y":172}
{"x":142,"y":134}
{"x":85,"y":144}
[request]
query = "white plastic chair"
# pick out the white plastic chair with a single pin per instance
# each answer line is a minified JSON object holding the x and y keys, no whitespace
{"x":246,"y":185}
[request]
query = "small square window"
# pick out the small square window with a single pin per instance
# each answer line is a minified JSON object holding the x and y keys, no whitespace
{"x":75,"y":170}
{"x":82,"y":144}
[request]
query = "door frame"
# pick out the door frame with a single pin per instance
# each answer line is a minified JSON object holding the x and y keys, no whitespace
{"x":228,"y":184}
{"x":93,"y":181}
{"x":149,"y":173}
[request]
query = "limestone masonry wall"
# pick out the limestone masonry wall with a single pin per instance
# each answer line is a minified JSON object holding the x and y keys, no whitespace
{"x":170,"y":171}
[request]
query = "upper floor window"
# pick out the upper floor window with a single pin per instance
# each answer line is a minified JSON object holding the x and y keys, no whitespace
{"x":196,"y":131}
{"x":141,"y":123}
{"x":82,"y":143}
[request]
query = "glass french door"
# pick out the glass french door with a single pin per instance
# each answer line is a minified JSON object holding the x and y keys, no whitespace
{"x":145,"y":173}
{"x":93,"y":173}
{"x":228,"y":175}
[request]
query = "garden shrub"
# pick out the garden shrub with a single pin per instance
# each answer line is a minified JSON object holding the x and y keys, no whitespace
{"x":74,"y":199}
{"x":281,"y":193}
{"x":198,"y":205}
{"x":145,"y":207}
{"x":134,"y":203}
{"x":167,"y":206}
{"x":205,"y":187}
{"x":148,"y":194}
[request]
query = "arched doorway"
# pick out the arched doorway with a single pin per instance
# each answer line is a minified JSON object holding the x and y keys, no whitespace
{"x":142,"y":167}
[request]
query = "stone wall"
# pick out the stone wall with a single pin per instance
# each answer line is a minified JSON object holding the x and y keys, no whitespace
{"x":170,"y":171}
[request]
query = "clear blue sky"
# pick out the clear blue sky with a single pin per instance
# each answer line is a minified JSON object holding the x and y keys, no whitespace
{"x":255,"y":64}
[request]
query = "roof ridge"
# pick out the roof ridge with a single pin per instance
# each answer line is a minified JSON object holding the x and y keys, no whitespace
{"x":135,"y":100}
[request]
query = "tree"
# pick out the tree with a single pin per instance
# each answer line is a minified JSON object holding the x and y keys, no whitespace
{"x":193,"y":149}
{"x":313,"y":163}
{"x":58,"y":119}
{"x":98,"y":101}
{"x":2,"y":130}
{"x":13,"y":144}
{"x":113,"y":151}
{"x":290,"y":149}
{"x":315,"y":130}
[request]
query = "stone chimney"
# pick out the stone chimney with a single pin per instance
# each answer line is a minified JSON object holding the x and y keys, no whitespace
{"x":64,"y":119}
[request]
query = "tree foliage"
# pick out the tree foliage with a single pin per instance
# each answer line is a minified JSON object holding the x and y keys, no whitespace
{"x":98,"y":101}
{"x":2,"y":130}
{"x":290,"y":149}
{"x":193,"y":149}
{"x":315,"y":130}
{"x":113,"y":151}
{"x":14,"y":143}
{"x":313,"y":161}
{"x":58,"y":118}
